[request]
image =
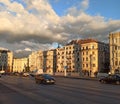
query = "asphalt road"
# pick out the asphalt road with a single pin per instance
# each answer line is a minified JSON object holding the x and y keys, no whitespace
{"x":19,"y":90}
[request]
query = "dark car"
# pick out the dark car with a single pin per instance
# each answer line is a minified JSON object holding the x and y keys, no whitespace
{"x":44,"y":79}
{"x":114,"y":79}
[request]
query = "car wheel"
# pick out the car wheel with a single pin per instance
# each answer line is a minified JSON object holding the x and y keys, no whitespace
{"x":102,"y":81}
{"x":117,"y":82}
{"x":38,"y":82}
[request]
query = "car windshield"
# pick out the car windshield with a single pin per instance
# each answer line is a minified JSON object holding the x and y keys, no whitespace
{"x":46,"y":76}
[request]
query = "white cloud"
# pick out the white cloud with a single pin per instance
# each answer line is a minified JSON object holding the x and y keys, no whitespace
{"x":28,"y":49}
{"x":84,"y":4}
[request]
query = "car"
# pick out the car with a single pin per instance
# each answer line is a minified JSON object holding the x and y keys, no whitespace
{"x":25,"y":74}
{"x":113,"y":79}
{"x":44,"y":79}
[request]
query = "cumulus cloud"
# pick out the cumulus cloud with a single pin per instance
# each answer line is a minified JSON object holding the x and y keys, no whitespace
{"x":85,"y":4}
{"x":34,"y":25}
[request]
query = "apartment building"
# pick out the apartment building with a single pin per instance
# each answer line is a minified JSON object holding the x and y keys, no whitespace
{"x":94,"y":57}
{"x":50,"y":61}
{"x":36,"y":60}
{"x":114,"y":43}
{"x":6,"y":60}
{"x":10,"y":61}
{"x":68,"y":58}
{"x":20,"y":65}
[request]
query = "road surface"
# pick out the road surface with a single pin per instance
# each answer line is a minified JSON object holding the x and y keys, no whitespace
{"x":24,"y":90}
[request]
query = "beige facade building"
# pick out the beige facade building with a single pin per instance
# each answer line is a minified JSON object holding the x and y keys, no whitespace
{"x":94,"y":56}
{"x":20,"y":65}
{"x":6,"y":60}
{"x":114,"y":41}
{"x":36,"y":60}
{"x":10,"y":61}
{"x":68,"y":58}
{"x":50,"y":61}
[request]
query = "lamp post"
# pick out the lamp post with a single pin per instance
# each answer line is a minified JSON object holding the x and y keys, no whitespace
{"x":90,"y":65}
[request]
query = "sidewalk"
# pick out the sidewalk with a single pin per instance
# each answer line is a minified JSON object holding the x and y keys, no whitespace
{"x":78,"y":77}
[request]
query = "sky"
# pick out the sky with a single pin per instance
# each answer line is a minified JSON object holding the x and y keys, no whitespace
{"x":30,"y":25}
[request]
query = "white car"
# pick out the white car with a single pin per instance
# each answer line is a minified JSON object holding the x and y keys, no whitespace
{"x":25,"y":74}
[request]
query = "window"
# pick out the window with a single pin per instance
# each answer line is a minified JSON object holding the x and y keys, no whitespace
{"x":86,"y":58}
{"x":83,"y":53}
{"x":83,"y":65}
{"x":115,"y":62}
{"x":86,"y":53}
{"x":83,"y":59}
{"x":93,"y":65}
{"x":86,"y":65}
{"x":115,"y":47}
{"x":86,"y":47}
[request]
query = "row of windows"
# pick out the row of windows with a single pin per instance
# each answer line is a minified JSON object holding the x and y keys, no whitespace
{"x":116,"y":47}
{"x":87,"y":65}
{"x":68,"y":52}
{"x":88,"y":59}
{"x":116,"y":54}
{"x":86,"y":47}
{"x":3,"y":60}
{"x":69,"y":67}
{"x":116,"y":40}
{"x":86,"y":53}
{"x":117,"y":63}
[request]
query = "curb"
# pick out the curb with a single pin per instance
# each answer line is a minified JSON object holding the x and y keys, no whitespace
{"x":83,"y":78}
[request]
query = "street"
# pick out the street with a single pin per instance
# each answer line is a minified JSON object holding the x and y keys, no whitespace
{"x":24,"y":90}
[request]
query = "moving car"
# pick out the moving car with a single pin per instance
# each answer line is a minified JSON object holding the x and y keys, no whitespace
{"x":115,"y":79}
{"x":36,"y":72}
{"x":44,"y":79}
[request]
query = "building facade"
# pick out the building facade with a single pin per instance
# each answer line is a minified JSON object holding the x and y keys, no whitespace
{"x":114,"y":43}
{"x":68,"y":58}
{"x":20,"y":65}
{"x":10,"y":61}
{"x":36,"y":60}
{"x":94,"y":57}
{"x":6,"y":60}
{"x":50,"y":61}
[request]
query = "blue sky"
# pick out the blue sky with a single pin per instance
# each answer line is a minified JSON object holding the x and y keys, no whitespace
{"x":106,"y":8}
{"x":41,"y":24}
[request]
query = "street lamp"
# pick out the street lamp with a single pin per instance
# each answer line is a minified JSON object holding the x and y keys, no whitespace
{"x":90,"y":65}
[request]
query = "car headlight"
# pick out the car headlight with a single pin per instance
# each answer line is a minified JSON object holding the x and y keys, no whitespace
{"x":47,"y":80}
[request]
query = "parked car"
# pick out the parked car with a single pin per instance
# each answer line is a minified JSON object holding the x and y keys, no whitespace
{"x":115,"y":79}
{"x":44,"y":79}
{"x":25,"y":74}
{"x":101,"y":75}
